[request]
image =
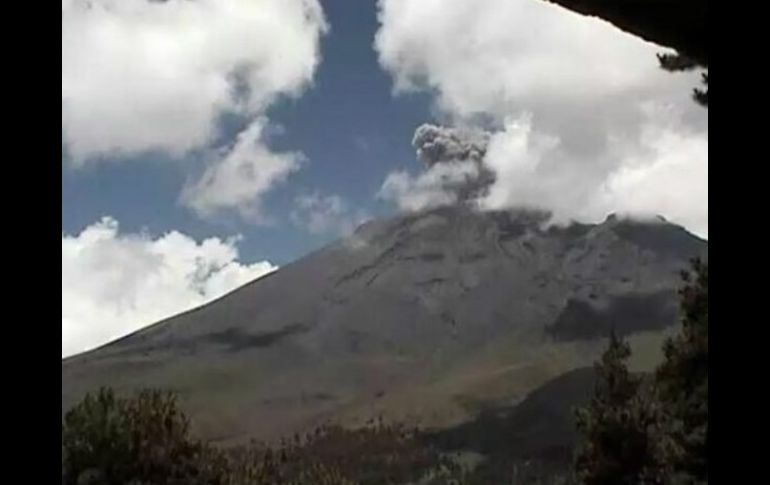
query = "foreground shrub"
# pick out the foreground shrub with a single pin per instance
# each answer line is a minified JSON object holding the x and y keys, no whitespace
{"x":140,"y":440}
{"x":145,"y":440}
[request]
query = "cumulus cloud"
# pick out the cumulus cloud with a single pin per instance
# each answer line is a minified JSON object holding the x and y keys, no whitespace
{"x":566,"y":100}
{"x":113,"y":283}
{"x":669,"y":177}
{"x":663,"y":172}
{"x":495,"y":56}
{"x":240,"y":176}
{"x":140,"y":75}
{"x":326,"y":214}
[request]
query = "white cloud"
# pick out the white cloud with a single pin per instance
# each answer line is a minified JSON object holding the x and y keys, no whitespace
{"x":240,"y":176}
{"x":567,"y":99}
{"x":664,"y":172}
{"x":141,"y":75}
{"x":113,"y":283}
{"x":669,"y":178}
{"x":495,"y":56}
{"x":326,"y":214}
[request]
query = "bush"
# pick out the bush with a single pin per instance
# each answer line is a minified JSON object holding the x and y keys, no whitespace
{"x":145,"y":440}
{"x":142,"y":440}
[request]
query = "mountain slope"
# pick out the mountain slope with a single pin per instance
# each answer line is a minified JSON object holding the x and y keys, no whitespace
{"x":425,"y":317}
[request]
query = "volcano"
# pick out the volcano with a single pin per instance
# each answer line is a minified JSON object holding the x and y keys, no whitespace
{"x":429,"y":318}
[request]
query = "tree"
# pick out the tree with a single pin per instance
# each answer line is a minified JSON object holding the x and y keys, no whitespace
{"x":145,"y":440}
{"x":682,"y":386}
{"x":679,"y":62}
{"x":656,"y":434}
{"x":140,"y":440}
{"x":617,"y":447}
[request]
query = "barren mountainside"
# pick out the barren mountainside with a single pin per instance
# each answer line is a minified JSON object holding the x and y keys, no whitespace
{"x":428,"y":317}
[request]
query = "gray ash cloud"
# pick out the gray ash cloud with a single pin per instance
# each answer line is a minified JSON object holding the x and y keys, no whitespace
{"x":457,"y":154}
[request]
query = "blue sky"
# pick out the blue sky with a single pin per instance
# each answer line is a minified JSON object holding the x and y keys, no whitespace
{"x":287,"y":122}
{"x":348,"y":124}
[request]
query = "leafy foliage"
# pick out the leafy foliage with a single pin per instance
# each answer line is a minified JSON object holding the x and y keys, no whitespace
{"x":682,"y":386}
{"x":145,"y":440}
{"x":679,"y":62}
{"x":618,"y":448}
{"x":656,"y":434}
{"x":375,"y":454}
{"x":111,"y":440}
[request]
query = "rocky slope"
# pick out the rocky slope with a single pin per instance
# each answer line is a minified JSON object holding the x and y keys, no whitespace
{"x":427,"y":317}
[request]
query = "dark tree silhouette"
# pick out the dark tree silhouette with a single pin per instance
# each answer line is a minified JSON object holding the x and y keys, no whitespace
{"x":682,"y":386}
{"x":110,"y":440}
{"x":617,"y":448}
